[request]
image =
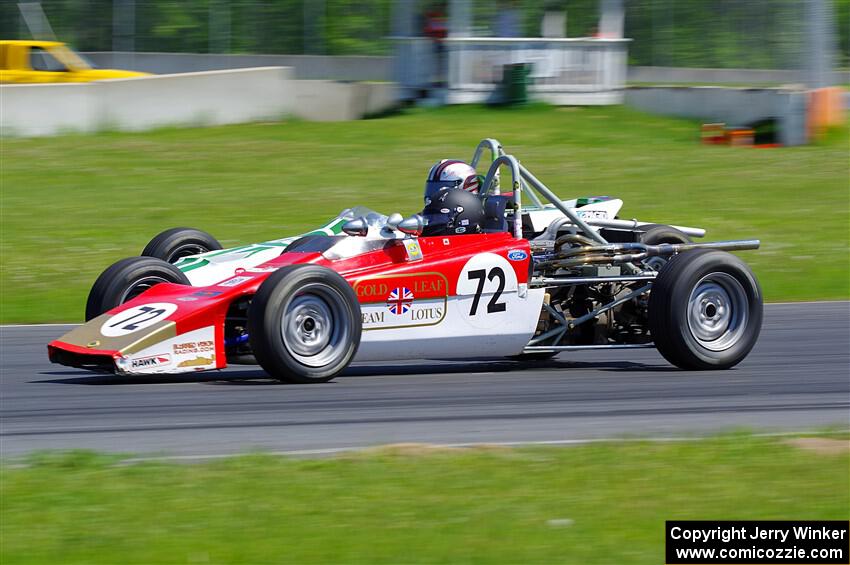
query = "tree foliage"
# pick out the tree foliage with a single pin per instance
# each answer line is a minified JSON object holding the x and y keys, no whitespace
{"x":688,"y":33}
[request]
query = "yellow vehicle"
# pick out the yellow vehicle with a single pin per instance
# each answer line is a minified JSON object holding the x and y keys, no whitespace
{"x":25,"y":61}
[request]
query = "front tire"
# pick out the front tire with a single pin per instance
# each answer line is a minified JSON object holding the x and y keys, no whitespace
{"x":127,"y":279}
{"x":705,"y":310}
{"x":304,"y":324}
{"x":176,"y":243}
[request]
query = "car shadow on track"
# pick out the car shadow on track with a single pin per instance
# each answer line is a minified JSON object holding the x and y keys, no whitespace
{"x":256,"y":376}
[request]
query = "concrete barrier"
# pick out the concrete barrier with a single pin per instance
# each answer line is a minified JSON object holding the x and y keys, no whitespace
{"x":206,"y":98}
{"x":210,"y":98}
{"x":203,"y":98}
{"x":723,"y":76}
{"x":306,"y":67}
{"x":329,"y":101}
{"x":47,"y":109}
{"x":733,"y":106}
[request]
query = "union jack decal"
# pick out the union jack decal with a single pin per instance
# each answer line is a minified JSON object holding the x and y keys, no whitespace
{"x":400,"y":300}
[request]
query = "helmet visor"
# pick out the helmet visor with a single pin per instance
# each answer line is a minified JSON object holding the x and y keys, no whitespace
{"x":436,"y":224}
{"x":432,"y":187}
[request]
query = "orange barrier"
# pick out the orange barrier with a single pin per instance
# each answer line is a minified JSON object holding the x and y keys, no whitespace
{"x":826,"y":109}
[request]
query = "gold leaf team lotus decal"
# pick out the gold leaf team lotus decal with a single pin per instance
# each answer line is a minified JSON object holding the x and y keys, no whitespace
{"x":402,"y":301}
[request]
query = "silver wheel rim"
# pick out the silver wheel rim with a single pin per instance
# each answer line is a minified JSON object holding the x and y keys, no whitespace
{"x":140,"y":286}
{"x":718,"y":311}
{"x":186,"y":250}
{"x":313,"y":325}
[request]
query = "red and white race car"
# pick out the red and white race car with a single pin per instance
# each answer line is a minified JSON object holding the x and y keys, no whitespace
{"x":504,"y":285}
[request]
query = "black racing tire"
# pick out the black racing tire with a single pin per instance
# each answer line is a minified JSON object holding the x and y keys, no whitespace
{"x":127,"y":279}
{"x":653,"y":234}
{"x":176,"y":243}
{"x":304,"y":324}
{"x":705,"y":310}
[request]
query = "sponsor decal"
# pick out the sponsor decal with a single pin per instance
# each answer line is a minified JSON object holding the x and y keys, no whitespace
{"x":187,"y":299}
{"x":372,"y":317}
{"x":423,"y":285}
{"x":517,"y":255}
{"x":151,"y":361}
{"x":206,"y":293}
{"x":460,"y":230}
{"x":234,"y":281}
{"x":399,"y":301}
{"x":444,"y":210}
{"x":137,"y":318}
{"x":592,"y":214}
{"x":198,"y":361}
{"x":93,"y":343}
{"x":413,"y":249}
{"x":402,"y":301}
{"x":188,"y":347}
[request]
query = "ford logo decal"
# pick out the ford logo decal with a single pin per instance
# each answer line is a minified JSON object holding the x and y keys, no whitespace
{"x":517,"y":255}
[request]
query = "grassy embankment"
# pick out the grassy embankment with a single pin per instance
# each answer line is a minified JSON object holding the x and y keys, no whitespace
{"x":589,"y":504}
{"x":72,"y":205}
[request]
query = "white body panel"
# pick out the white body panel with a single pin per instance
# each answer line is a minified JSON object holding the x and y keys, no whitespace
{"x":454,"y":337}
{"x":466,"y":325}
{"x":606,"y":210}
{"x":192,"y":351}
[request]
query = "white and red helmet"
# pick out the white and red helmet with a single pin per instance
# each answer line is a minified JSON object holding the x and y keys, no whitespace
{"x":451,"y":173}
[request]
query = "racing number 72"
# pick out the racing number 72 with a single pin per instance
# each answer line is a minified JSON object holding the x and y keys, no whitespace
{"x":494,"y":305}
{"x":151,"y":313}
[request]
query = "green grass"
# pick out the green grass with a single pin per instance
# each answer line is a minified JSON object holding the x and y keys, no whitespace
{"x":72,"y":205}
{"x":590,"y":504}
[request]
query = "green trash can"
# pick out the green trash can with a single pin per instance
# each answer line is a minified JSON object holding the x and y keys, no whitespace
{"x":515,"y":80}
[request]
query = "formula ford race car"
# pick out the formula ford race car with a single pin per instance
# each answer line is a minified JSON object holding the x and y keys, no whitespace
{"x":538,"y":277}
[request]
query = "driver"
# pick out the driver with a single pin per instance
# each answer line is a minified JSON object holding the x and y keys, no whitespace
{"x":453,"y":174}
{"x":452,"y":211}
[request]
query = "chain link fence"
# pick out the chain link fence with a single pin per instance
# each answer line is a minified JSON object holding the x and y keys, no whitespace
{"x":763,"y":34}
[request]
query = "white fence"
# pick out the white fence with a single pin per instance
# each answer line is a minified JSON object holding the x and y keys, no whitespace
{"x":563,"y":71}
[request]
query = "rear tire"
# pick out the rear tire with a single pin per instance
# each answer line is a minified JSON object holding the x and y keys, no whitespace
{"x":127,"y":279}
{"x":176,"y":243}
{"x":304,"y":324}
{"x":705,"y":310}
{"x":655,"y":234}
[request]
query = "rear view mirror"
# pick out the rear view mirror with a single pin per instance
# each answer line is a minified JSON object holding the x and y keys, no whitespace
{"x":412,"y":225}
{"x":357,"y":226}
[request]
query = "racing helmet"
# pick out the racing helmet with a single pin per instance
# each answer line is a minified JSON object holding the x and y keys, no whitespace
{"x":453,"y":174}
{"x":453,"y":211}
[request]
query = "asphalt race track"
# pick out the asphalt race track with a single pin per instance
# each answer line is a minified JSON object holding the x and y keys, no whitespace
{"x":795,"y":379}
